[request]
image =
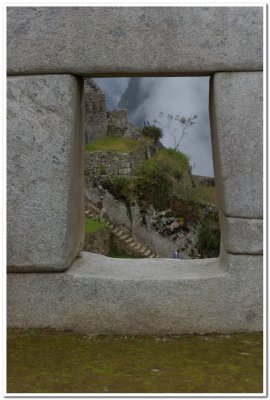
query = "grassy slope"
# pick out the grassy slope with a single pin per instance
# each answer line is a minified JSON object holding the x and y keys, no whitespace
{"x":115,"y":144}
{"x":47,"y":361}
{"x":92,"y":225}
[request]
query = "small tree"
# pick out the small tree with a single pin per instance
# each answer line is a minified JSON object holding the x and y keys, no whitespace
{"x":177,"y":126}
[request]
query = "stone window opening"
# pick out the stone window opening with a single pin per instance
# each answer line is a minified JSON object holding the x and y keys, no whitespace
{"x":173,"y":231}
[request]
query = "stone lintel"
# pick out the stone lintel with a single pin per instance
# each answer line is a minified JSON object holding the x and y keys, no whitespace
{"x":123,"y":41}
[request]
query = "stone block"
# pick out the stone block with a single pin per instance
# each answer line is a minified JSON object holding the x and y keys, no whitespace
{"x":45,"y":210}
{"x":241,"y":235}
{"x":236,"y":101}
{"x":129,"y":40}
{"x":101,"y":295}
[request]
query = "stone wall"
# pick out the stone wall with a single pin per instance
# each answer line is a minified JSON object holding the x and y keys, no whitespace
{"x":97,"y":294}
{"x":98,"y":242}
{"x":96,"y":122}
{"x":117,"y":122}
{"x":199,"y":180}
{"x":112,"y":163}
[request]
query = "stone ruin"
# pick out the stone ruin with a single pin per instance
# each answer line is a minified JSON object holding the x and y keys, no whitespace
{"x":98,"y":121}
{"x":51,"y":283}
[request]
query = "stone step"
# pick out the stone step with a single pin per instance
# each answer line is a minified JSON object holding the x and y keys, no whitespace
{"x":141,"y":249}
{"x":144,"y":248}
{"x":148,"y":252}
{"x":137,"y":246}
{"x":131,"y":244}
{"x":122,"y":236}
{"x":115,"y":231}
{"x":129,"y":241}
{"x":121,"y":233}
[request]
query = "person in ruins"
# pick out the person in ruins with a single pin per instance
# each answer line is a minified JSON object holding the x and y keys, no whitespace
{"x":101,"y":208}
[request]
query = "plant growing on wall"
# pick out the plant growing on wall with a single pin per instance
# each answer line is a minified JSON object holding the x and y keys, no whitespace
{"x":209,"y":236}
{"x":153,"y":132}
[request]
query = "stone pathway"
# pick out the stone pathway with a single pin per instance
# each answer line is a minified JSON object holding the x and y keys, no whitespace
{"x":137,"y":249}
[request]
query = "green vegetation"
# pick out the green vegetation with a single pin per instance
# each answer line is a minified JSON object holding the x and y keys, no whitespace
{"x":153,"y":132}
{"x":156,"y":182}
{"x":92,"y":225}
{"x":209,"y":236}
{"x":120,"y":187}
{"x":205,"y":194}
{"x":49,"y":361}
{"x":162,"y":177}
{"x":165,"y":182}
{"x":102,"y":170}
{"x":114,"y":144}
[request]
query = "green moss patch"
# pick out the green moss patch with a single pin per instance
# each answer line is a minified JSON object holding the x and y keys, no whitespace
{"x":114,"y":144}
{"x":47,"y":361}
{"x":205,"y":194}
{"x":92,"y":225}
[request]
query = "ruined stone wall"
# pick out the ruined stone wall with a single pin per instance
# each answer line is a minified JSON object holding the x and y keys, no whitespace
{"x":117,"y":122}
{"x":112,"y":163}
{"x":96,"y":123}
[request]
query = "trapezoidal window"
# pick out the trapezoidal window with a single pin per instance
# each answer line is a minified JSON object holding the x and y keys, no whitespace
{"x":149,"y":180}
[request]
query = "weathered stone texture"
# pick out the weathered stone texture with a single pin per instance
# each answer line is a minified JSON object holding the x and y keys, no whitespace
{"x":237,"y":138}
{"x":98,"y":295}
{"x":242,"y":235}
{"x":45,"y":172}
{"x":125,"y":40}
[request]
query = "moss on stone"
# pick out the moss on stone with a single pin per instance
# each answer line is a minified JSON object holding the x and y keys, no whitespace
{"x":47,"y":361}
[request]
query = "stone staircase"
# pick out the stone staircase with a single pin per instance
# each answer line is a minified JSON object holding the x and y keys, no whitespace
{"x":137,"y":249}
